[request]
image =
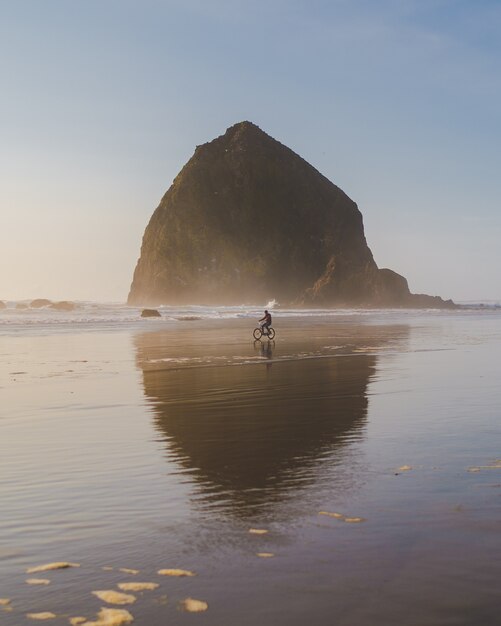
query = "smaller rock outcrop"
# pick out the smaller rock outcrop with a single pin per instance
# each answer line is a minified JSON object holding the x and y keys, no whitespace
{"x":63,"y":306}
{"x":2,"y":305}
{"x":150,"y":313}
{"x":38,"y":303}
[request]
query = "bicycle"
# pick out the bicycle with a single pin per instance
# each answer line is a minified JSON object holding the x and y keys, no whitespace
{"x":258,"y":333}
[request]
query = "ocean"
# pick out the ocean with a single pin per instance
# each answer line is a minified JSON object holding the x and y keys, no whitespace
{"x":347,"y":472}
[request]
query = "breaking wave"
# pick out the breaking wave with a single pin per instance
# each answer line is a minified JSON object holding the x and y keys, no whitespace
{"x":112,"y":316}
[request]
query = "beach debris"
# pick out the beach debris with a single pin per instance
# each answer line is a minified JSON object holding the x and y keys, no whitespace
{"x":137,"y":586}
{"x":75,"y":621}
{"x":127,"y":570}
{"x":37,"y":581}
{"x":114,"y":597}
{"x":265,"y":555}
{"x":43,"y":615}
{"x":51,"y":566}
{"x":175,"y":572}
{"x":111,"y":617}
{"x":194,"y":606}
{"x":258,"y":531}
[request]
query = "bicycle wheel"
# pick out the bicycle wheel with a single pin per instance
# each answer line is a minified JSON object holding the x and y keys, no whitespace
{"x":257,"y":333}
{"x":271,"y":333}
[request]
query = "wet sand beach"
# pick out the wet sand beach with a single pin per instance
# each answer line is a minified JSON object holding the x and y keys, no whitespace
{"x":348,"y":472}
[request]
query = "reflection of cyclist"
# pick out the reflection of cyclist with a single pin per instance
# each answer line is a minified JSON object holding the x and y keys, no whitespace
{"x":265,"y":322}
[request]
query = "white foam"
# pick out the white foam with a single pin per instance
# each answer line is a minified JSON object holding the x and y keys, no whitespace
{"x":137,"y":586}
{"x":114,"y":597}
{"x":37,"y":581}
{"x":194,"y":606}
{"x":175,"y":572}
{"x":51,"y":566}
{"x":111,"y":617}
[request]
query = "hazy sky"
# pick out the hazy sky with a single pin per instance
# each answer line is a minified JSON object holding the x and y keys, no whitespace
{"x":398,"y":102}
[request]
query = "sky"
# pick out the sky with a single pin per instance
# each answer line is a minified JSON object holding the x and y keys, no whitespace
{"x":103,"y":101}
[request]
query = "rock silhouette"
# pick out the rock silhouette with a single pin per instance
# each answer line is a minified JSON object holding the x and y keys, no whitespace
{"x":248,"y":220}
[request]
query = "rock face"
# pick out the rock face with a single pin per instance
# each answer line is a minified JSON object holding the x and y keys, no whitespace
{"x":248,"y":220}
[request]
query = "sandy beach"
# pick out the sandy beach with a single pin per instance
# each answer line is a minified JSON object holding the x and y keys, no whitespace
{"x":347,"y":472}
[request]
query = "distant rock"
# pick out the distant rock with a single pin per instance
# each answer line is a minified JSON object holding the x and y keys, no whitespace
{"x":63,"y":306}
{"x":39,"y":303}
{"x":247,"y":220}
{"x":150,"y":313}
{"x":2,"y":305}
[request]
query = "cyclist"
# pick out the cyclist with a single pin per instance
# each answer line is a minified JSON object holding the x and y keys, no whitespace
{"x":265,"y":322}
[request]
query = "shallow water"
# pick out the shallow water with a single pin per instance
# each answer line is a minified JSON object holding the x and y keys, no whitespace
{"x":161,"y":447}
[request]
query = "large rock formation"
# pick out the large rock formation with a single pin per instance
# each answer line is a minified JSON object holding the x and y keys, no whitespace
{"x":248,"y":220}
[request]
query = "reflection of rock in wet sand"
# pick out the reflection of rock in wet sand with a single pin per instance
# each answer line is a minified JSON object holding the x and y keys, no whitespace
{"x":246,"y":435}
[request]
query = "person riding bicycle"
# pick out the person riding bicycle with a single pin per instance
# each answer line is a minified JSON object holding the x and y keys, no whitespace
{"x":265,"y":322}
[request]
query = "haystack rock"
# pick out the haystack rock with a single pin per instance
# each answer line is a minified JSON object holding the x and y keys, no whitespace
{"x":247,"y":220}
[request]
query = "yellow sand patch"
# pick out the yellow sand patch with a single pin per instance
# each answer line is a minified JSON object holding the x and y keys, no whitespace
{"x":37,"y":581}
{"x":45,"y":615}
{"x":4,"y":601}
{"x":354,"y":520}
{"x":258,"y":531}
{"x":194,"y":606}
{"x":49,"y":566}
{"x":405,"y":468}
{"x":137,"y":586}
{"x":265,"y":555}
{"x":336,"y":515}
{"x":175,"y":572}
{"x":75,"y":621}
{"x":114,"y":597}
{"x":111,"y":617}
{"x":126,"y":570}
